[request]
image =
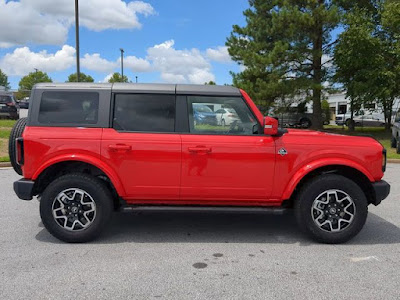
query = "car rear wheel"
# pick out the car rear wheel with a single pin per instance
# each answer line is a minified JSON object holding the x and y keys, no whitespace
{"x":16,"y":132}
{"x":76,"y":207}
{"x":331,"y":209}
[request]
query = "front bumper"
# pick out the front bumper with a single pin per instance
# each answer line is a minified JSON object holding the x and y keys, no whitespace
{"x":382,"y":190}
{"x":24,"y":189}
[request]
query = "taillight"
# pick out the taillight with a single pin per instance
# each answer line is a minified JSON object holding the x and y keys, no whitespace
{"x":10,"y":104}
{"x":384,"y":159}
{"x":19,"y":150}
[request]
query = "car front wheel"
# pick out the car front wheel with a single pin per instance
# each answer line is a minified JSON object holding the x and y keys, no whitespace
{"x":76,"y":207}
{"x":331,"y":209}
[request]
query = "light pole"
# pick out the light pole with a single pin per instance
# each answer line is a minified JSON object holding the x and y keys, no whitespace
{"x":122,"y":63}
{"x":78,"y":72}
{"x":136,"y":79}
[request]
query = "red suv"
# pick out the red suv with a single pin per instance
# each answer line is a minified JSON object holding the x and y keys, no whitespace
{"x":89,"y":149}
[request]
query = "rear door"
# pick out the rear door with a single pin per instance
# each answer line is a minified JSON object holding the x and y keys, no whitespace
{"x":142,"y":146}
{"x":232,"y":164}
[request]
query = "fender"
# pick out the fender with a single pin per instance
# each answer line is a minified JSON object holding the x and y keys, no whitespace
{"x":306,"y":169}
{"x":86,"y":159}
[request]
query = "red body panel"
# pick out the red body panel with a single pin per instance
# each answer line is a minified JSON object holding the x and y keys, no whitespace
{"x":309,"y":150}
{"x":232,"y":168}
{"x":150,"y":166}
{"x":44,"y":144}
{"x":158,"y":168}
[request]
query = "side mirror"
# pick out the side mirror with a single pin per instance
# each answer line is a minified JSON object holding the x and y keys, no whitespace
{"x":270,"y":126}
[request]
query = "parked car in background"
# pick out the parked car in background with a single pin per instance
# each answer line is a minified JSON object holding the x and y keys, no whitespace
{"x":293,"y":118}
{"x":395,"y":142}
{"x":370,"y":120}
{"x":24,"y":103}
{"x":343,"y":119}
{"x":9,"y":108}
{"x":203,"y":114}
{"x":226,"y":116}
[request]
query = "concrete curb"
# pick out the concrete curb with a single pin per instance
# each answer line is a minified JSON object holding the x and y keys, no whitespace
{"x":393,"y":161}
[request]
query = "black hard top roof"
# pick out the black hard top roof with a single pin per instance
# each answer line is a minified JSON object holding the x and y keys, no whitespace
{"x":187,"y":89}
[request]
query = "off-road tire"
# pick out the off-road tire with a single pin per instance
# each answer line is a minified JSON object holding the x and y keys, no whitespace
{"x":315,"y":187}
{"x":16,"y":132}
{"x":91,"y":185}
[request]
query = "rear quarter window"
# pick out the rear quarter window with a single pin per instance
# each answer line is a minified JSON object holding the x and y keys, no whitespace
{"x":69,"y":108}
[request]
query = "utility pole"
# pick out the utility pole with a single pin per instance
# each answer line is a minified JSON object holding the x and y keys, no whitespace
{"x":78,"y":72}
{"x":122,"y":63}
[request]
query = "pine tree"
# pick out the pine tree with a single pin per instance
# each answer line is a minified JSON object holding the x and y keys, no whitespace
{"x":281,"y":49}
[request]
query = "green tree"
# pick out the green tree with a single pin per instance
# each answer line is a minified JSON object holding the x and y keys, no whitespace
{"x":326,"y":110}
{"x":367,"y":57}
{"x":281,"y":49}
{"x":82,"y":78}
{"x":116,"y":77}
{"x":27,"y":82}
{"x":4,"y":80}
{"x":210,"y":83}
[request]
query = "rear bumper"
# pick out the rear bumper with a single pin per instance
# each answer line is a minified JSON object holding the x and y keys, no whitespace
{"x":24,"y":189}
{"x":382,"y":190}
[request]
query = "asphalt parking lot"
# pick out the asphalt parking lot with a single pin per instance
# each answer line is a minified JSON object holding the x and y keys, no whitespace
{"x":187,"y":255}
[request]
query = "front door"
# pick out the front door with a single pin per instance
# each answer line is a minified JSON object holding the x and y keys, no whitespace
{"x":226,"y":163}
{"x":143,"y":148}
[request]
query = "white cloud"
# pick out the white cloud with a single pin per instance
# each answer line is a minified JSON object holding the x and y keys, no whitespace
{"x":48,"y":21}
{"x":174,"y":66}
{"x":23,"y":60}
{"x":20,"y":24}
{"x":220,"y":54}
{"x":327,"y":60}
{"x":180,"y":66}
{"x":94,"y":62}
{"x":107,"y":78}
{"x":136,"y":64}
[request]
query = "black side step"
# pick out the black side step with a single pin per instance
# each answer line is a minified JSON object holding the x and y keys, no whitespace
{"x":188,"y":208}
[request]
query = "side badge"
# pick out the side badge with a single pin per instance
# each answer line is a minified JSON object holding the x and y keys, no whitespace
{"x":282,"y":151}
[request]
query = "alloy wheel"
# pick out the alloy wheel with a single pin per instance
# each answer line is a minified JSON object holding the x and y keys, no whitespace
{"x":333,"y":210}
{"x":74,"y":209}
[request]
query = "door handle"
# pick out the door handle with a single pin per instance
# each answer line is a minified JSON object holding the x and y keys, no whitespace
{"x":120,"y":147}
{"x":199,"y":149}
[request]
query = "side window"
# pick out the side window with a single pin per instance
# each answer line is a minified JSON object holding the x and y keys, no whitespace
{"x":144,"y":113}
{"x":69,"y":108}
{"x":221,"y":115}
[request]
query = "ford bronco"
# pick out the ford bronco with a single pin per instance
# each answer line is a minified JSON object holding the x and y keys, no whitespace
{"x":88,"y":149}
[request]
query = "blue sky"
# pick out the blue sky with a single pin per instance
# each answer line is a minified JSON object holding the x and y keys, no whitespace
{"x":190,"y":36}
